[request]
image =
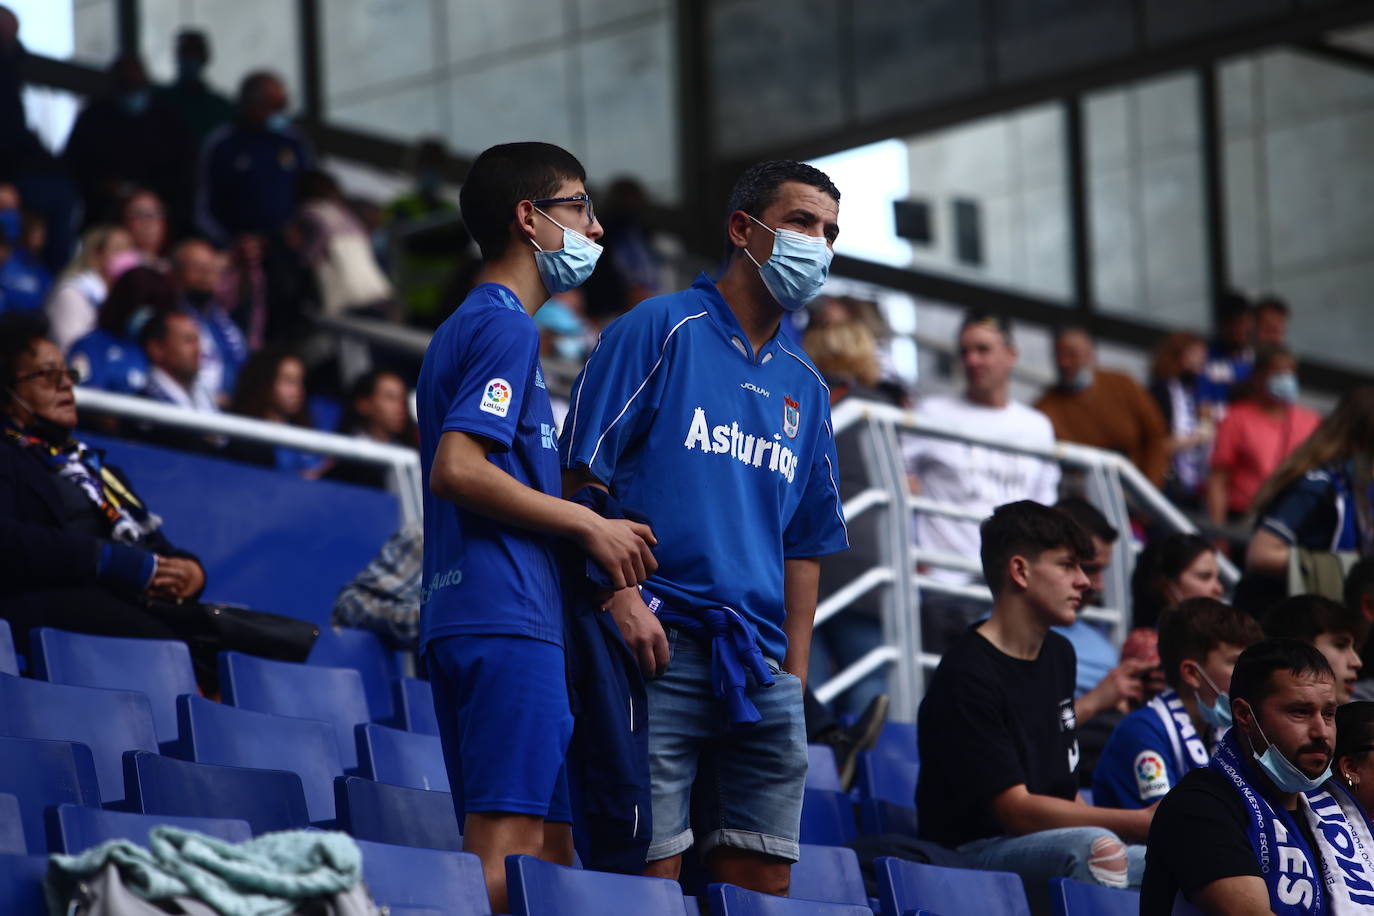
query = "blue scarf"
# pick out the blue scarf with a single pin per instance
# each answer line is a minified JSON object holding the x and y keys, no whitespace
{"x":1189,"y":751}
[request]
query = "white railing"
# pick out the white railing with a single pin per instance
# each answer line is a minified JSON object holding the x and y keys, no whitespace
{"x":402,"y":464}
{"x":1108,"y":479}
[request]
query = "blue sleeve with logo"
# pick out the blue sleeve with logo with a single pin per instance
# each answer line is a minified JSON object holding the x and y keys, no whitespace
{"x":495,"y":377}
{"x":1137,"y":766}
{"x":817,"y":526}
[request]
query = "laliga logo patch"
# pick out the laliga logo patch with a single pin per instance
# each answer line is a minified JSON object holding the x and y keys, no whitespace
{"x":1151,"y":779}
{"x":496,"y":397}
{"x":791,"y":416}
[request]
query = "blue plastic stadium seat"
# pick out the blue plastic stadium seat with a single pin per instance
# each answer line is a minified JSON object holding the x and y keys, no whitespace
{"x":9,"y":663}
{"x":394,"y":814}
{"x":827,"y":818}
{"x":109,"y":722}
{"x":74,"y":828}
{"x":12,"y":840}
{"x":401,"y":758}
{"x":1086,"y":794}
{"x":729,"y":900}
{"x":42,"y":773}
{"x":877,"y":816}
{"x":415,"y":706}
{"x":400,"y":876}
{"x":1074,"y":898}
{"x":333,"y":695}
{"x":21,"y":885}
{"x":899,"y":740}
{"x":821,"y":772}
{"x":214,"y":733}
{"x":362,"y":651}
{"x":538,"y":888}
{"x":160,"y":669}
{"x":887,"y":777}
{"x":830,"y":874}
{"x":904,"y":886}
{"x":267,"y":799}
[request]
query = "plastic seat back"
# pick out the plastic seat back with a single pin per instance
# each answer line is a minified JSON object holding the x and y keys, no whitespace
{"x":904,"y":886}
{"x":267,"y":799}
{"x":109,"y":722}
{"x":12,"y":840}
{"x":829,"y":873}
{"x":403,"y":876}
{"x":1074,"y":898}
{"x":75,"y":828}
{"x":361,"y":650}
{"x":537,"y":888}
{"x":877,"y":816}
{"x":821,"y":771}
{"x":21,"y":885}
{"x":394,"y":814}
{"x":729,"y":900}
{"x":415,"y":702}
{"x":898,"y":739}
{"x":160,"y":669}
{"x":827,"y":818}
{"x":42,"y":773}
{"x":401,"y":758}
{"x":333,"y":695}
{"x":214,"y":733}
{"x":9,"y":662}
{"x":886,"y":777}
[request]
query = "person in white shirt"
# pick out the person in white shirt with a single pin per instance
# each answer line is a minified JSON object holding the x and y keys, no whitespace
{"x":171,"y":341}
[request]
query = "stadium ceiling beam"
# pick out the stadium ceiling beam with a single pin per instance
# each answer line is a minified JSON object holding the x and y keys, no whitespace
{"x":1331,"y":52}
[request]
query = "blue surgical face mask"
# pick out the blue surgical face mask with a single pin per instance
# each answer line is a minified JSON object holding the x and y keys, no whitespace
{"x":797,"y":269}
{"x":278,"y":121}
{"x":1283,"y":386}
{"x":1218,"y":713}
{"x":568,"y":267}
{"x":1281,"y":771}
{"x":1079,"y":380}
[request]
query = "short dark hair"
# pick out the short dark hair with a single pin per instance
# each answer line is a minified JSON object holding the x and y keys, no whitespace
{"x":501,"y":177}
{"x":1063,"y":330}
{"x":1027,"y":529}
{"x":18,"y":333}
{"x":1272,"y":302}
{"x":1359,"y":581}
{"x":254,"y":85}
{"x":1268,"y":354}
{"x":1354,"y":729}
{"x":1306,"y":617}
{"x":1232,"y":305}
{"x":995,"y":320}
{"x":1253,"y":678}
{"x":757,"y":187}
{"x":1197,"y":626}
{"x":157,"y":325}
{"x":1088,"y":517}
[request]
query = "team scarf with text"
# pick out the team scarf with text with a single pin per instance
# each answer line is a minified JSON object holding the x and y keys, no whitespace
{"x":1339,"y":879}
{"x":1189,"y":751}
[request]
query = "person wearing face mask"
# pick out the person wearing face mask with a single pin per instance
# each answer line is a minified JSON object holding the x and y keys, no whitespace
{"x":201,"y":107}
{"x":696,"y":411}
{"x":1151,"y":749}
{"x":1263,"y":828}
{"x":1102,"y":408}
{"x":1256,"y":435}
{"x":196,"y":271}
{"x":1335,"y":630}
{"x":491,"y":626}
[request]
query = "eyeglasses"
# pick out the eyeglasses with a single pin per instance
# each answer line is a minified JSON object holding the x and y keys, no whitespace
{"x":583,"y":199}
{"x":52,"y":377}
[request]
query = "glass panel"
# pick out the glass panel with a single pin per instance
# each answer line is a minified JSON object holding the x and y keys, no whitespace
{"x":870,"y":178}
{"x":83,"y":30}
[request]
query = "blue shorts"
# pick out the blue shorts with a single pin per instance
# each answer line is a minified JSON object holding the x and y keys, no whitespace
{"x":741,"y":789}
{"x":505,"y":724}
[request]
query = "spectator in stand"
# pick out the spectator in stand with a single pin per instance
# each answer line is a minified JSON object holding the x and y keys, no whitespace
{"x":385,"y":596}
{"x":1231,"y":355}
{"x":337,"y":248}
{"x":243,"y":289}
{"x":1104,"y":409}
{"x":1353,"y":765}
{"x":197,"y":270}
{"x":128,"y":138}
{"x":425,"y":234}
{"x":201,"y":108}
{"x":25,"y":283}
{"x":1271,"y":322}
{"x":634,"y":264}
{"x":1176,"y":384}
{"x":377,"y":410}
{"x":171,"y":341}
{"x":142,"y":215}
{"x":1335,"y":630}
{"x":272,"y":387}
{"x":1322,"y":497}
{"x":1148,"y":753}
{"x":1171,"y":570}
{"x":110,"y":357}
{"x":975,"y":477}
{"x":106,"y":252}
{"x":1258,"y":432}
{"x":1358,"y":593}
{"x":997,"y":730}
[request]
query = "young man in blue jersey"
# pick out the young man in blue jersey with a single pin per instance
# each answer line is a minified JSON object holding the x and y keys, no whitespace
{"x":491,"y":627}
{"x":695,"y":410}
{"x":1151,"y":749}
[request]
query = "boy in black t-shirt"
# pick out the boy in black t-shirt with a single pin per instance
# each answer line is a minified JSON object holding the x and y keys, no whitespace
{"x":997,"y":728}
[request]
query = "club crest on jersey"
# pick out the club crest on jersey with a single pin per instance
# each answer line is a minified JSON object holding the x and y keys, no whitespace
{"x":791,"y":416}
{"x":496,"y":397}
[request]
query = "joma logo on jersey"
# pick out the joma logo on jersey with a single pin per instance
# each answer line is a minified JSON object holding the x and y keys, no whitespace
{"x":743,"y":447}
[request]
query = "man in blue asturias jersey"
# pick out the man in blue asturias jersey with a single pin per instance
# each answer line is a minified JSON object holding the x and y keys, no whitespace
{"x":491,"y":625}
{"x":694,"y":410}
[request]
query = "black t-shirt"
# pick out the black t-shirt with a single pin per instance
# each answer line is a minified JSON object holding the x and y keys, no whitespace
{"x":989,"y":722}
{"x":1198,"y":836}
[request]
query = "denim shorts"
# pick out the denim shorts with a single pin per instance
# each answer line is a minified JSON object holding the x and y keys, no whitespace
{"x":505,"y":724}
{"x":736,"y":788}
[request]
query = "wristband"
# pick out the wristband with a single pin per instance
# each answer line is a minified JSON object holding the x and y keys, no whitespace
{"x":125,"y":566}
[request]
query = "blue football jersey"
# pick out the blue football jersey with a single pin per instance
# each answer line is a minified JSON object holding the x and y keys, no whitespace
{"x":730,"y":455}
{"x":1145,"y":757}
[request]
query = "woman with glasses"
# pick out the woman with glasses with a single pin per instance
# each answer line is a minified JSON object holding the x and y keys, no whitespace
{"x":1352,"y":764}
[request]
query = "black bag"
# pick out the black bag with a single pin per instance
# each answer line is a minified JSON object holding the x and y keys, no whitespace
{"x":209,"y":629}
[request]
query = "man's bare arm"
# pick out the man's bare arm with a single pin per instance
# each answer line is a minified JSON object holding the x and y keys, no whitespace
{"x":800,"y":584}
{"x":1021,"y":812}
